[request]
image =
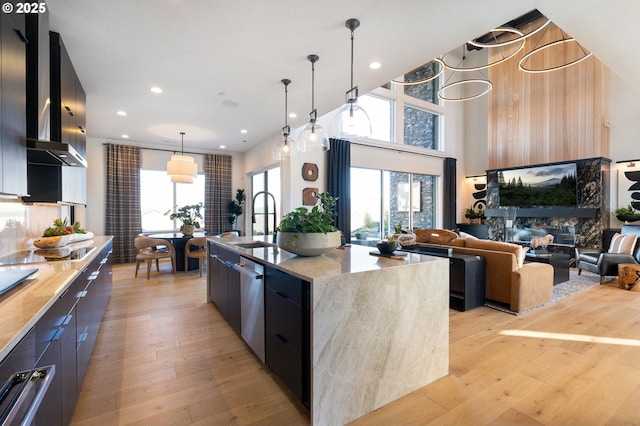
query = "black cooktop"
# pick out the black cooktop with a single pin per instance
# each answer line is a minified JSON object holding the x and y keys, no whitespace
{"x":45,"y":255}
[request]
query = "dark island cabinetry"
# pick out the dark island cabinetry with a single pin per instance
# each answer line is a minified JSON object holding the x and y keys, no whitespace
{"x":287,"y":350}
{"x":224,"y":283}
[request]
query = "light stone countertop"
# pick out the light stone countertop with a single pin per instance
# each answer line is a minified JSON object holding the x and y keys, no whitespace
{"x":22,"y":306}
{"x":341,"y":261}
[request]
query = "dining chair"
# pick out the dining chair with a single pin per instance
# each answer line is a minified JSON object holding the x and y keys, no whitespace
{"x":150,"y":249}
{"x":196,"y":248}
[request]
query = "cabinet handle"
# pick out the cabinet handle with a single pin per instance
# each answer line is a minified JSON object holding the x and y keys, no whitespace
{"x":284,"y":296}
{"x":83,"y":337}
{"x":57,"y":334}
{"x":82,"y":294}
{"x":282,"y":338}
{"x":67,"y":320}
{"x":21,"y":36}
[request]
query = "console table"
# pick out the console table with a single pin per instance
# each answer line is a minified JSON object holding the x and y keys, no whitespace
{"x":466,"y":277}
{"x":559,"y":261}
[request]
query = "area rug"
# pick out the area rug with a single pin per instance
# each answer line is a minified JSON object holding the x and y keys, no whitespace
{"x":576,"y":284}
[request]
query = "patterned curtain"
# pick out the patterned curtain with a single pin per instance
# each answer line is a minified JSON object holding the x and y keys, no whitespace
{"x":217,"y":192}
{"x":339,"y":183}
{"x":123,"y":219}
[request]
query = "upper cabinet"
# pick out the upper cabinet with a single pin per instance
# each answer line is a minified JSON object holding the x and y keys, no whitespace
{"x":67,"y":98}
{"x":13,"y":154}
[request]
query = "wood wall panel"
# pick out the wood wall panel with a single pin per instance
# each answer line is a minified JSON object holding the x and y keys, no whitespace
{"x":547,"y":117}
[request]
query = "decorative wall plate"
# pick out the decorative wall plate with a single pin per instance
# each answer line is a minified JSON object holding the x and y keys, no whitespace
{"x":309,"y":196}
{"x":310,"y":171}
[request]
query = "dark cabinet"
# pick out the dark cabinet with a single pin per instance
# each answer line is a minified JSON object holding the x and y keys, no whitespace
{"x":13,"y":154}
{"x":287,"y":348}
{"x":466,"y":281}
{"x":224,"y":283}
{"x":67,"y":98}
{"x":93,"y":296}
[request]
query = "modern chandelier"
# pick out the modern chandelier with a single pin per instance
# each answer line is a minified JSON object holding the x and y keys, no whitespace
{"x":182,"y":168}
{"x":286,"y":147}
{"x":352,"y":120}
{"x":313,"y":137}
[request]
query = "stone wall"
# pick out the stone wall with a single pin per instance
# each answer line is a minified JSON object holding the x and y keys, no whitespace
{"x":592,"y":198}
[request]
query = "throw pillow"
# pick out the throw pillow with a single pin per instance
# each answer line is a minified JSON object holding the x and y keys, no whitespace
{"x":622,"y":244}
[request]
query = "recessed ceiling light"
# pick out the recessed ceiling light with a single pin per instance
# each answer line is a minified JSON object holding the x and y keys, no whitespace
{"x":124,"y":136}
{"x":292,"y":115}
{"x":156,"y":89}
{"x":122,"y":113}
{"x":229,"y":103}
{"x":375,"y":65}
{"x":243,"y":131}
{"x":223,"y":146}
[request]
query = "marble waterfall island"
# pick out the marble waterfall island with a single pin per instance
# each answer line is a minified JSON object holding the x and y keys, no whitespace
{"x":378,"y":327}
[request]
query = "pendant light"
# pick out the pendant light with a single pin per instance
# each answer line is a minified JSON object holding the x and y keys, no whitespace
{"x":351,"y":120}
{"x":287,"y":147}
{"x":313,"y":137}
{"x":182,"y":168}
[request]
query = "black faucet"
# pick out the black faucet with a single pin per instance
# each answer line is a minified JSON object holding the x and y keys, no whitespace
{"x":253,"y":214}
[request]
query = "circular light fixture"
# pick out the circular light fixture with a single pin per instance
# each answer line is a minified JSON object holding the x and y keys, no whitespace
{"x":156,"y":89}
{"x":244,"y":131}
{"x":375,"y":65}
{"x":461,"y":85}
{"x":522,"y":67}
{"x":124,"y":136}
{"x":496,"y":43}
{"x":182,"y":168}
{"x":121,"y":113}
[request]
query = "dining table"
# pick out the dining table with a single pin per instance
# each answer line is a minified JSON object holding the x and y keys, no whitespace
{"x":179,"y":241}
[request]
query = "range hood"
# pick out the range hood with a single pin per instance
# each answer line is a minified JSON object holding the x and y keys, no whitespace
{"x":53,"y":154}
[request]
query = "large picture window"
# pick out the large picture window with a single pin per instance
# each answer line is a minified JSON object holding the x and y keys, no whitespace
{"x":159,"y":197}
{"x":392,"y":198}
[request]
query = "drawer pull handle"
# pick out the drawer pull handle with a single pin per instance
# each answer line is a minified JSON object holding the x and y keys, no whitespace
{"x":282,"y":338}
{"x":284,"y":296}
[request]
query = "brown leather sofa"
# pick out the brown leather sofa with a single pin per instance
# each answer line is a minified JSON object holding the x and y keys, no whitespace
{"x":508,"y":280}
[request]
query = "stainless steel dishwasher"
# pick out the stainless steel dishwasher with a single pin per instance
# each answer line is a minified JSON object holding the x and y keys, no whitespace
{"x":252,"y":304}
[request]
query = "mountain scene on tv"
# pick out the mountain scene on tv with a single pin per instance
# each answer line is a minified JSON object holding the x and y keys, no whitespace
{"x":553,"y":185}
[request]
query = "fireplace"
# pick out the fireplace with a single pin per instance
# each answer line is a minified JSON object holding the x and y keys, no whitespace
{"x":524,"y":230}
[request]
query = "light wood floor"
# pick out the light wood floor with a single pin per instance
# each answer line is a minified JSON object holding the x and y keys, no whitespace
{"x":165,"y":357}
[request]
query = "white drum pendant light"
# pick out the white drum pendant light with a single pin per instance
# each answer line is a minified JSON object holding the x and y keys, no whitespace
{"x":182,"y":168}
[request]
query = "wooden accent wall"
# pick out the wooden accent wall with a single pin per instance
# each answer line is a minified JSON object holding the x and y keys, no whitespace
{"x":553,"y":116}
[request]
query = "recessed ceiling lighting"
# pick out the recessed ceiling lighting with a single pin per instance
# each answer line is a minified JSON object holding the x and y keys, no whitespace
{"x":122,"y":113}
{"x":243,"y":131}
{"x":292,"y":115}
{"x":156,"y":89}
{"x":375,"y":65}
{"x":124,"y":136}
{"x":223,"y":147}
{"x":229,"y":103}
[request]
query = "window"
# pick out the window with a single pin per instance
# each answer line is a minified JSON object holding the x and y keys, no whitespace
{"x":159,"y":197}
{"x":408,"y":114}
{"x":391,"y":198}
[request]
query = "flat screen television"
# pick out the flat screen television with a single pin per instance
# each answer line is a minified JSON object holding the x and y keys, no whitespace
{"x":550,"y":185}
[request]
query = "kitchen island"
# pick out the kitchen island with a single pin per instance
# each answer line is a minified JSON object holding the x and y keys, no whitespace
{"x":378,"y":328}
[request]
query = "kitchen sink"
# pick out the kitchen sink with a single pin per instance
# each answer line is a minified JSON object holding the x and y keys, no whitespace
{"x":253,"y":244}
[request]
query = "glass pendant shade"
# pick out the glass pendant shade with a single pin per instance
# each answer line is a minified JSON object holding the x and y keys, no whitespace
{"x":285,"y":148}
{"x":314,"y":138}
{"x":182,"y":168}
{"x":352,"y":121}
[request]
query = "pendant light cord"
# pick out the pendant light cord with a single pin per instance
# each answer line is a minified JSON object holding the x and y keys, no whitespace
{"x":352,"y":31}
{"x":182,"y":149}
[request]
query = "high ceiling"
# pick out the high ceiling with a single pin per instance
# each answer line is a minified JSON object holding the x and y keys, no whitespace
{"x":220,"y":63}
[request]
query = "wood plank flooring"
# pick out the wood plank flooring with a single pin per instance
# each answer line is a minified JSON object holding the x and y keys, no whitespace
{"x":166,"y":357}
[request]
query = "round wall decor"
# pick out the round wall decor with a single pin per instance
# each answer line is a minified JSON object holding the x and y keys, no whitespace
{"x":309,"y":171}
{"x":309,"y":196}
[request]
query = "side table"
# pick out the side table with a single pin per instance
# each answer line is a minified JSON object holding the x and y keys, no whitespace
{"x":629,"y":276}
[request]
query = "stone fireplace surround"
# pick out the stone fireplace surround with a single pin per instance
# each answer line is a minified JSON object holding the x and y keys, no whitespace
{"x":579,"y":226}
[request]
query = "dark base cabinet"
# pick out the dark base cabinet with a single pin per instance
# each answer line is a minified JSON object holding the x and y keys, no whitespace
{"x":466,"y":278}
{"x":287,"y":346}
{"x":224,"y":284}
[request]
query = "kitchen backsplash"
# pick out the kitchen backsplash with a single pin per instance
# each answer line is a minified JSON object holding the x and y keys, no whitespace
{"x":20,"y":224}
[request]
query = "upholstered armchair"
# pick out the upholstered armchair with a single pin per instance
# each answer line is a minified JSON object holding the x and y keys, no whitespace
{"x":603,"y":263}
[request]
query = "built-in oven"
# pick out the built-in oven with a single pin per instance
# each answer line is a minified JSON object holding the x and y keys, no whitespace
{"x":22,"y":394}
{"x":252,"y":304}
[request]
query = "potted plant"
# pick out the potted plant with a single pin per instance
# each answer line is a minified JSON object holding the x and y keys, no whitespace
{"x":627,"y":214}
{"x":235,"y":208}
{"x":189,"y":216}
{"x":310,"y":232}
